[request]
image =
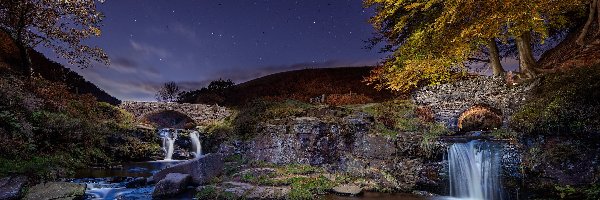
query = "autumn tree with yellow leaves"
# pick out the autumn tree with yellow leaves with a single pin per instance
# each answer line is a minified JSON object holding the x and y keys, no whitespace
{"x":58,"y":24}
{"x":434,"y":40}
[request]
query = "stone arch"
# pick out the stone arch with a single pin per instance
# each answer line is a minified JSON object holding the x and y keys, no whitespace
{"x":199,"y":113}
{"x":480,"y":117}
{"x":168,"y":119}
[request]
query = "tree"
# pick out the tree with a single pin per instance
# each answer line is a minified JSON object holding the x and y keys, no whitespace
{"x":593,"y":11}
{"x":436,"y":39}
{"x":214,"y":93}
{"x":220,"y":86}
{"x":168,"y":92}
{"x":59,"y":25}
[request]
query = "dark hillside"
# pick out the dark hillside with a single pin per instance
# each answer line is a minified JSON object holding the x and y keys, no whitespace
{"x":568,"y":54}
{"x":52,"y":71}
{"x":338,"y":83}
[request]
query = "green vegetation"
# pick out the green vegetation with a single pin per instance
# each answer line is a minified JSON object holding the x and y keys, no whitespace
{"x":211,"y":192}
{"x":395,"y":117}
{"x":305,"y":181}
{"x":46,"y":130}
{"x":306,"y":188}
{"x":564,"y":103}
{"x":591,"y":192}
{"x":259,"y":111}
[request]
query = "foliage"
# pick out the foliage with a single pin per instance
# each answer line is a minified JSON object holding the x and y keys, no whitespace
{"x":42,"y":167}
{"x":59,"y":25}
{"x":572,"y":192}
{"x":306,"y":188}
{"x":396,"y":117}
{"x":259,"y":111}
{"x":212,"y":192}
{"x":503,"y":133}
{"x":168,"y":92}
{"x":433,"y":41}
{"x":44,"y":127}
{"x":215,"y":93}
{"x":563,"y":103}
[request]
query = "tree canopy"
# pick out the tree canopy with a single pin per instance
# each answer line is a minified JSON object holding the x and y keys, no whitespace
{"x":434,"y":40}
{"x":59,"y":25}
{"x":168,"y":92}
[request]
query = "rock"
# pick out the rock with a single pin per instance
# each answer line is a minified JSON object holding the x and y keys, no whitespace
{"x":248,"y":191}
{"x":348,"y":189}
{"x":56,"y":190}
{"x":201,"y":169}
{"x":11,"y":187}
{"x":136,"y":182}
{"x":171,"y":185}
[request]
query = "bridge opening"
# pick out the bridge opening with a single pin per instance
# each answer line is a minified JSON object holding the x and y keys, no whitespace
{"x":480,"y":118}
{"x":169,"y":119}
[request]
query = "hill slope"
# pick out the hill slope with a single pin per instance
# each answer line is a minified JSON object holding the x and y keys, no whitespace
{"x":307,"y":83}
{"x":51,"y":71}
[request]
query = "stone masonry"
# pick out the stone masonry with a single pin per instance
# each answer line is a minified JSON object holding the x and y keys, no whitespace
{"x":200,"y":113}
{"x":449,"y":101}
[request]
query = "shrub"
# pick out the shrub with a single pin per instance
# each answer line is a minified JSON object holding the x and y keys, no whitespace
{"x":563,"y":103}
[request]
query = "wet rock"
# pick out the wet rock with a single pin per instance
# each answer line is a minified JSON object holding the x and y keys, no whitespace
{"x":248,"y":191}
{"x":201,"y":169}
{"x":56,"y":190}
{"x":348,"y":189}
{"x":137,"y":182}
{"x":171,"y":185}
{"x":11,"y":187}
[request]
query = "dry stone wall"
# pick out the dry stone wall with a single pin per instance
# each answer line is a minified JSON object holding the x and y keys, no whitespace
{"x":449,"y":101}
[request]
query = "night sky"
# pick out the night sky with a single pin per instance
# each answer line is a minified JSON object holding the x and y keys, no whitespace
{"x":193,"y":42}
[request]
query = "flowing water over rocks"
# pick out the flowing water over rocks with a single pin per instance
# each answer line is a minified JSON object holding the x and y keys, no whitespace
{"x":475,"y":170}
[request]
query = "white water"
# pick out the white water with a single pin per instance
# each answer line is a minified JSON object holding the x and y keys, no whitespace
{"x":196,"y":145}
{"x":474,"y":170}
{"x":168,"y":142}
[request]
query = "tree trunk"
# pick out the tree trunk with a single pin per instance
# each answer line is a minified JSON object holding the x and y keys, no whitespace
{"x":593,"y":8}
{"x":527,"y":63}
{"x":25,"y":60}
{"x":598,"y":14}
{"x":497,"y":68}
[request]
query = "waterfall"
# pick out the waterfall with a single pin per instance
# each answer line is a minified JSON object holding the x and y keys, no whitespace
{"x":196,"y":145}
{"x":168,"y":142}
{"x":474,"y":170}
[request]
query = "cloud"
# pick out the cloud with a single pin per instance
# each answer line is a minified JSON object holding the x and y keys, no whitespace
{"x":184,"y":31}
{"x":125,"y":65}
{"x":124,"y":62}
{"x":149,"y":50}
{"x":143,"y":88}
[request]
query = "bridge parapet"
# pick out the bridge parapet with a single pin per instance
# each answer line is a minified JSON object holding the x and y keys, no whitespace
{"x":200,"y":113}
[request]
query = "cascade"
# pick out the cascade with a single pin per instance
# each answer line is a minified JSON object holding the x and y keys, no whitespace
{"x":168,"y":142}
{"x":474,"y":170}
{"x":196,"y":145}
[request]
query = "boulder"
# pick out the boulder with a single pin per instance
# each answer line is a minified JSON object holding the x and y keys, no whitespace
{"x":348,"y":189}
{"x":171,"y":185}
{"x":201,"y":169}
{"x":56,"y":190}
{"x":11,"y":187}
{"x":247,"y":191}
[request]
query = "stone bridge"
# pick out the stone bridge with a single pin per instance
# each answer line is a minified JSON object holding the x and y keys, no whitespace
{"x":199,"y":113}
{"x":449,"y":102}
